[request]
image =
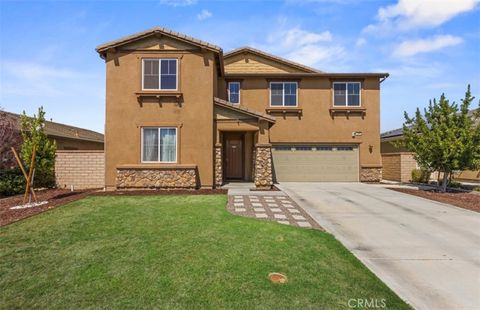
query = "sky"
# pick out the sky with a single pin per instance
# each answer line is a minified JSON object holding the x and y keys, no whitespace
{"x":429,"y":47}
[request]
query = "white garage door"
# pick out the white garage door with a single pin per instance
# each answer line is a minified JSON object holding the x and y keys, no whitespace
{"x":315,"y":163}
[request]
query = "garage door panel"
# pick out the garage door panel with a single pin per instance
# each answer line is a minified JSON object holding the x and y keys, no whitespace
{"x":315,"y":165}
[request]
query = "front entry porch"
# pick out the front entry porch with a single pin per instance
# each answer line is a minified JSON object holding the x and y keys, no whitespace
{"x":242,"y":149}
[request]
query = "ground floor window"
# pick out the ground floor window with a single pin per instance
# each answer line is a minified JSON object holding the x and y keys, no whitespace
{"x":159,"y":144}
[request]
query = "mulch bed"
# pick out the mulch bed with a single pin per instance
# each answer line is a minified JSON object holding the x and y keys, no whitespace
{"x":55,"y":198}
{"x":459,"y":199}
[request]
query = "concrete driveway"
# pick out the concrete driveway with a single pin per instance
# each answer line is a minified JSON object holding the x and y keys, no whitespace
{"x":427,"y":252}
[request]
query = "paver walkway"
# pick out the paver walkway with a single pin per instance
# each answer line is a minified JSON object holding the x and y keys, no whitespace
{"x":279,"y":208}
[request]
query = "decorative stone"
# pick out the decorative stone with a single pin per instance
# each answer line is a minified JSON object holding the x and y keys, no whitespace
{"x":277,"y":278}
{"x":368,"y":174}
{"x":261,"y":215}
{"x":156,"y":178}
{"x":240,"y":210}
{"x":276,"y":210}
{"x":280,"y":216}
{"x":283,"y":222}
{"x":298,"y":217}
{"x":259,"y":209}
{"x":263,"y":166}
{"x":218,"y":165}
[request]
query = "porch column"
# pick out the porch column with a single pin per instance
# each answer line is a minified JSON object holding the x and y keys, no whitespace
{"x":263,"y":166}
{"x":218,"y":165}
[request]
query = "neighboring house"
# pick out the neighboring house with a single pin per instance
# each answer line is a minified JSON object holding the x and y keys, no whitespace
{"x":66,"y":137}
{"x":182,"y":114}
{"x":398,"y":162}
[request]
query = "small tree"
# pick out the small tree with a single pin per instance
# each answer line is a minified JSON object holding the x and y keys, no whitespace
{"x":33,"y":134}
{"x":446,"y":138}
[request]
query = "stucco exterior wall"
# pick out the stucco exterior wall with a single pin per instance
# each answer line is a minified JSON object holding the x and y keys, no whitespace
{"x":316,"y":125}
{"x":193,"y":117}
{"x":80,"y":169}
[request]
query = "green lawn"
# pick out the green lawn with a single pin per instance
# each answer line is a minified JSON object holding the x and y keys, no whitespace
{"x":174,"y":252}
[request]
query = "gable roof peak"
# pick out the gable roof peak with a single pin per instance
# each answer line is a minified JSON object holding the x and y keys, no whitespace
{"x":249,"y":49}
{"x":102,"y":48}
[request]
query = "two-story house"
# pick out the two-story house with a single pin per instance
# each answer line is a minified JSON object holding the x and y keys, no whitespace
{"x":182,"y":114}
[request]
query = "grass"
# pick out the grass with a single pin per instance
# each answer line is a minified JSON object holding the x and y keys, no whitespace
{"x":174,"y":252}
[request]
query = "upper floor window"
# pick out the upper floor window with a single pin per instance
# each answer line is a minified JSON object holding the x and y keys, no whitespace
{"x":234,"y":92}
{"x":346,"y":94}
{"x":283,"y":94}
{"x":159,"y":74}
{"x":159,"y":144}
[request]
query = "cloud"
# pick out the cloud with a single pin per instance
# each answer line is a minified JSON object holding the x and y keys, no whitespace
{"x":33,"y":71}
{"x":360,"y":42}
{"x":176,"y":3}
{"x":413,"y":47}
{"x":311,"y":55}
{"x":304,"y":46}
{"x":411,"y":14}
{"x":204,"y":14}
{"x":34,"y":79}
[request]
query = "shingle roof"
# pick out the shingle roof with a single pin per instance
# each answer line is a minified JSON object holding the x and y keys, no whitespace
{"x":157,"y":30}
{"x":392,"y":133}
{"x":248,"y":49}
{"x":242,"y":109}
{"x":399,"y":131}
{"x":62,"y":130}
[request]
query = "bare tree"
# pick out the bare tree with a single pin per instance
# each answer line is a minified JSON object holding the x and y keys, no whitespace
{"x":9,"y":136}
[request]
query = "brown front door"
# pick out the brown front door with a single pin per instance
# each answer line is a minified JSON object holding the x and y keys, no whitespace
{"x":233,"y":156}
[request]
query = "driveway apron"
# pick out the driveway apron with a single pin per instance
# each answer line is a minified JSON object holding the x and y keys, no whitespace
{"x":427,"y":252}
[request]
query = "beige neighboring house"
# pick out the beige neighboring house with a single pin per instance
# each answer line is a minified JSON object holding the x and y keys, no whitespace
{"x":398,"y":162}
{"x":181,"y":113}
{"x":67,"y":137}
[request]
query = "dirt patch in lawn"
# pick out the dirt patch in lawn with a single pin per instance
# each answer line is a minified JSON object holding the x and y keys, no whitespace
{"x":464,"y":200}
{"x":55,"y":198}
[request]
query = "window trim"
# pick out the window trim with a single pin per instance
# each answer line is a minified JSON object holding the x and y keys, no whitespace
{"x":283,"y":94}
{"x":239,"y":90}
{"x":160,"y":75}
{"x":346,"y":94}
{"x":159,"y":135}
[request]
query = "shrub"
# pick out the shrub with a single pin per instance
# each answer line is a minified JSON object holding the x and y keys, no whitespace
{"x":12,"y":182}
{"x":420,"y":176}
{"x":454,"y":184}
{"x":477,"y":189}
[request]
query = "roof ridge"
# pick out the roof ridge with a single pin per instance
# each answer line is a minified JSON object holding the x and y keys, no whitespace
{"x":275,"y":57}
{"x":166,"y":31}
{"x":55,"y":128}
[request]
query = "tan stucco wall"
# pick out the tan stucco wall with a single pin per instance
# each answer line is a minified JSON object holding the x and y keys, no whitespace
{"x":194,"y":118}
{"x":80,"y":169}
{"x":316,"y":124}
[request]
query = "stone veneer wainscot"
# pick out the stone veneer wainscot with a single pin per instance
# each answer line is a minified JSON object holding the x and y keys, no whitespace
{"x":263,"y":166}
{"x":371,"y":174}
{"x":161,"y":176}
